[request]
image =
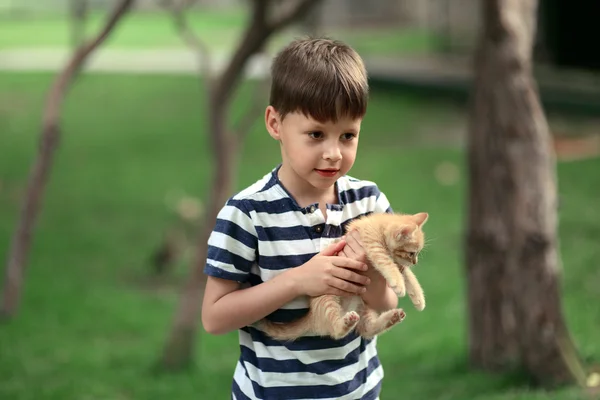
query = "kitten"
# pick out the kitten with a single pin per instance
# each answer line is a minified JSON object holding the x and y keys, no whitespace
{"x":392,"y":243}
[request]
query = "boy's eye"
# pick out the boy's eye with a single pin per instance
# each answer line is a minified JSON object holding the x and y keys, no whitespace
{"x":348,"y":136}
{"x":316,"y":135}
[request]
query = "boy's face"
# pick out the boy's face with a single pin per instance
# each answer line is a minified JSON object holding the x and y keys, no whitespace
{"x":314,"y":154}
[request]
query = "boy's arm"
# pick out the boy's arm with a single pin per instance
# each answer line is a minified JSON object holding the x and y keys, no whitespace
{"x":226,"y":307}
{"x":379,"y":295}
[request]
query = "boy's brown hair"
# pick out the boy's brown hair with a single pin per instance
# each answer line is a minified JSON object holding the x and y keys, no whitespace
{"x":321,"y":78}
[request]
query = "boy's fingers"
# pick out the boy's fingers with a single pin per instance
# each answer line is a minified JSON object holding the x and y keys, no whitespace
{"x":354,"y":246}
{"x":338,"y":292}
{"x":348,"y":252}
{"x":333,"y":248}
{"x":348,"y":287}
{"x":345,"y":262}
{"x":352,"y":236}
{"x":350,"y":276}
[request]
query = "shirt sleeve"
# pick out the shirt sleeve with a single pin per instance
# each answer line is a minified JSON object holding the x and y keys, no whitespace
{"x":382,"y":204}
{"x":233,"y":243}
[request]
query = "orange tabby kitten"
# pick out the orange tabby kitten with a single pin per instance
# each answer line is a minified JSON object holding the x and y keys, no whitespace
{"x":392,"y":243}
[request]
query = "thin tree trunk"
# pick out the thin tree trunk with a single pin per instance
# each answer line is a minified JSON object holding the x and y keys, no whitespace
{"x":79,"y":13}
{"x":179,"y":348}
{"x":50,"y":135}
{"x":512,"y":260}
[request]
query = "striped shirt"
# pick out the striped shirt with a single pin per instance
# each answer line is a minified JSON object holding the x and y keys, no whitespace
{"x":260,"y":233}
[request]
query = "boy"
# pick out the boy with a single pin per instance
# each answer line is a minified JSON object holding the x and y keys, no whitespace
{"x":272,"y":245}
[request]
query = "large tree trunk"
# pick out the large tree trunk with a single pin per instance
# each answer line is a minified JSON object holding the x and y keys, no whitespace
{"x":40,"y":171}
{"x":179,"y":348}
{"x":512,"y":261}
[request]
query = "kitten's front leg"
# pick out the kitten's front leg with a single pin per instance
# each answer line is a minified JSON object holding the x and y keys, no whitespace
{"x":414,"y":289}
{"x":383,"y":262}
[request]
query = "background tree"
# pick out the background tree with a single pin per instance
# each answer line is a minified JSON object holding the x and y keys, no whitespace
{"x":265,"y":20}
{"x":512,"y":256}
{"x":40,"y":170}
{"x":78,"y":12}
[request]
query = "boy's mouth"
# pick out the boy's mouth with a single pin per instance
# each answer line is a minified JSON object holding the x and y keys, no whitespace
{"x":327,"y":172}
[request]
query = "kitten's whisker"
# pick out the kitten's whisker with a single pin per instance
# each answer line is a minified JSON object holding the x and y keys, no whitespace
{"x":429,"y":239}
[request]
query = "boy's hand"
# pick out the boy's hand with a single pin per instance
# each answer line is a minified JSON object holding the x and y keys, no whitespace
{"x":355,"y":251}
{"x":327,"y":274}
{"x":378,"y":295}
{"x":353,"y":248}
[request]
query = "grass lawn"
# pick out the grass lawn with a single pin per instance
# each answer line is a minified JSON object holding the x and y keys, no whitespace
{"x":88,"y":329}
{"x":220,"y":29}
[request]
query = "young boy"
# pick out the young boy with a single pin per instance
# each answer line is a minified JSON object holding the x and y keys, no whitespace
{"x":272,"y":246}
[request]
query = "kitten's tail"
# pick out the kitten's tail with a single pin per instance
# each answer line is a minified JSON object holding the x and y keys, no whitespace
{"x":287,"y":331}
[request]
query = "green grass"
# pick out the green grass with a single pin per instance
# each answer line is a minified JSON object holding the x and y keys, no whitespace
{"x":135,"y":30}
{"x":220,"y":29}
{"x":86,"y":329}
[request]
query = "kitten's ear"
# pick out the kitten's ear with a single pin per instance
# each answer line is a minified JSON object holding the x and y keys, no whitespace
{"x":421,"y":218}
{"x":403,"y":232}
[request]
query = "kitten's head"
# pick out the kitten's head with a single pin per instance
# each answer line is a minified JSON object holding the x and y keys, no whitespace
{"x":405,"y":237}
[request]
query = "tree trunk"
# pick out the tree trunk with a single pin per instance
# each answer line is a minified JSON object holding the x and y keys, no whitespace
{"x":179,"y":348}
{"x":514,"y":306}
{"x":78,"y":13}
{"x":50,"y":135}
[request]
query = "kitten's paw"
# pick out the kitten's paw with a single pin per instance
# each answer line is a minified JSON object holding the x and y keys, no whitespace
{"x":396,"y":316}
{"x":417,"y":299}
{"x":351,"y":319}
{"x":419,"y":305}
{"x":349,"y":322}
{"x":399,"y":289}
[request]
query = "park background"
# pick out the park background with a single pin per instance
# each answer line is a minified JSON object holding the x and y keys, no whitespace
{"x":116,"y":236}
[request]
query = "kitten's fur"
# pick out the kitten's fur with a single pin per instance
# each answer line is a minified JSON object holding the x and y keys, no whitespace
{"x":392,"y":243}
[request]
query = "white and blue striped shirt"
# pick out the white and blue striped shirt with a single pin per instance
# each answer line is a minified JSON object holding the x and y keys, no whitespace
{"x":260,"y":233}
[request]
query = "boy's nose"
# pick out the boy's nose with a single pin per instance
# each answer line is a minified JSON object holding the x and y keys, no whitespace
{"x":332,"y":153}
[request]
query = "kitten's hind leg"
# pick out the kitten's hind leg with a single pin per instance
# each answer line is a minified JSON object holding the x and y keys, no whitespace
{"x":332,"y":319}
{"x":372,"y":324}
{"x":414,"y":289}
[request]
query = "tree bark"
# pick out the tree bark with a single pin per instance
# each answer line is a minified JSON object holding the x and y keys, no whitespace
{"x":179,"y":348}
{"x":515,"y":316}
{"x":40,"y":171}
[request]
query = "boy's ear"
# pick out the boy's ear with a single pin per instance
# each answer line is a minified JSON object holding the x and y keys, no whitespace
{"x":272,"y":122}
